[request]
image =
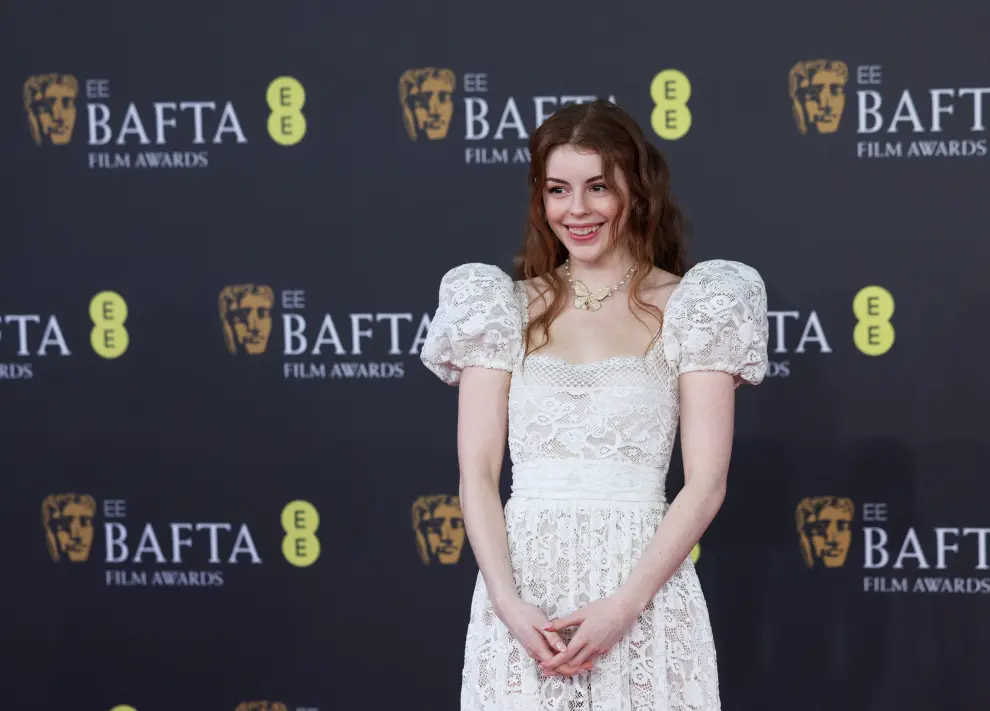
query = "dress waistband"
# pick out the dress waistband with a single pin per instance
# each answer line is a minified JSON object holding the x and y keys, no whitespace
{"x":605,"y":480}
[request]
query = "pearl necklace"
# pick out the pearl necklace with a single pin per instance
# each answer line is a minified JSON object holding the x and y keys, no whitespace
{"x":592,"y":300}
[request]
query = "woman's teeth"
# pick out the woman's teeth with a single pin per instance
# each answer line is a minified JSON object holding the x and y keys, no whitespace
{"x":582,"y":231}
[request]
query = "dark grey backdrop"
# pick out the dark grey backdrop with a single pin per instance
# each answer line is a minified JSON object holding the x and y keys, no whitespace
{"x":365,"y":221}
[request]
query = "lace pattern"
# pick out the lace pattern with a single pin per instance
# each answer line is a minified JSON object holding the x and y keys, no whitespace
{"x":478,"y":323}
{"x":716,"y":319}
{"x":590,"y":446}
{"x":564,"y":555}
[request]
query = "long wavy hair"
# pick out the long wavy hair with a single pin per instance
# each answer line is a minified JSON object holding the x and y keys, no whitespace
{"x":654,"y":231}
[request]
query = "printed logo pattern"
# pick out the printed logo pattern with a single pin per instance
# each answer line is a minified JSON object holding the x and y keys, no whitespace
{"x":50,"y":104}
{"x":68,"y":523}
{"x":817,"y":88}
{"x":427,"y":99}
{"x":438,"y":526}
{"x":246,"y":316}
{"x":824,"y":526}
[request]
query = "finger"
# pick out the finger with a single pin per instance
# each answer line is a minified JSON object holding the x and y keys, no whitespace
{"x":540,"y":650}
{"x":586,"y":654}
{"x":554,"y":640}
{"x":569,"y":670}
{"x":564,"y":657}
{"x":562,"y":623}
{"x":564,"y":670}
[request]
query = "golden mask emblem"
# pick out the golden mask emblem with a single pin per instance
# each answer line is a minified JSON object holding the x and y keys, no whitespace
{"x":246,"y":315}
{"x":818,"y":94}
{"x":50,"y":104}
{"x":261,"y":706}
{"x":427,"y":99}
{"x":68,"y":523}
{"x":824,"y":526}
{"x":439,"y":528}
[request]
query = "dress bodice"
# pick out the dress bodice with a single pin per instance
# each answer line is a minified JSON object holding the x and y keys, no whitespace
{"x":599,"y":423}
{"x":622,"y":408}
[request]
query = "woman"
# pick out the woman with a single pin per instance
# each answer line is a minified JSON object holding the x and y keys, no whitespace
{"x":586,"y":596}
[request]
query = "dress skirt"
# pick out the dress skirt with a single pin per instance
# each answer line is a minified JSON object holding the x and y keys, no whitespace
{"x":569,"y":546}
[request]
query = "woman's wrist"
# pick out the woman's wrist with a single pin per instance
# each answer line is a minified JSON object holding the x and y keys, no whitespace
{"x":502,"y":599}
{"x":632,"y":600}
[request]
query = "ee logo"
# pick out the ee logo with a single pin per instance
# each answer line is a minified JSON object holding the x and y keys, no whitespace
{"x":108,"y":312}
{"x":123,"y":708}
{"x":696,"y":552}
{"x":300,"y":546}
{"x":873,"y":307}
{"x":671,"y":117}
{"x":286,"y":122}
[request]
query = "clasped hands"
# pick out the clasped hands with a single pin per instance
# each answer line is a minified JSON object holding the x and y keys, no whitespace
{"x":601,"y":624}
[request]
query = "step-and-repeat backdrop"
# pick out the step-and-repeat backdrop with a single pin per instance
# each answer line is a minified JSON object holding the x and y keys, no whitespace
{"x":228,"y":482}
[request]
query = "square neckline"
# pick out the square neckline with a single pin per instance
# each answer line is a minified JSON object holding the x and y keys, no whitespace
{"x":520,"y":289}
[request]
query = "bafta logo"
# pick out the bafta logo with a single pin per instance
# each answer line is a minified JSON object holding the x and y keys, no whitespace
{"x":246,"y":315}
{"x":261,"y":706}
{"x":824,"y":527}
{"x":439,"y":527}
{"x":427,"y":98}
{"x":68,"y":523}
{"x":50,"y":104}
{"x":818,"y":94}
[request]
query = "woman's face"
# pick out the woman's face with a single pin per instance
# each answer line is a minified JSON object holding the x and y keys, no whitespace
{"x":580,"y":208}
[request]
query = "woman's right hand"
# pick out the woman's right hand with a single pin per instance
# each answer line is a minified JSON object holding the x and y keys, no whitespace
{"x":526,"y":622}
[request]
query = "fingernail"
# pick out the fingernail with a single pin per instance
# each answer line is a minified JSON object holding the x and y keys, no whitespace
{"x":561,"y":646}
{"x":549,"y":628}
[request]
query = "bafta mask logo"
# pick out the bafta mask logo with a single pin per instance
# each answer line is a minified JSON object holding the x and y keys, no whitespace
{"x":818,"y":94}
{"x":246,"y":315}
{"x":68,"y":523}
{"x":824,"y":526}
{"x":50,"y":104}
{"x":427,"y":98}
{"x":439,"y":527}
{"x":261,"y":706}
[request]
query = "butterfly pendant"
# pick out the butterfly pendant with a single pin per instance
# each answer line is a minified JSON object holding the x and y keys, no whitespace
{"x":587,"y":299}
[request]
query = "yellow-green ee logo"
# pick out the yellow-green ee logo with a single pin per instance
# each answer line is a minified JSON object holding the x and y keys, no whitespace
{"x":300,"y":546}
{"x":873,"y":307}
{"x":671,"y":117}
{"x":108,"y":312}
{"x":286,"y":123}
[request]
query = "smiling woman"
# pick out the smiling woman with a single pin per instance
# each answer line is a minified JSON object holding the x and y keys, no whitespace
{"x":587,"y":596}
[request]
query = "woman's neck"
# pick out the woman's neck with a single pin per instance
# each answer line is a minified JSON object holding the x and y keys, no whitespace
{"x":609,"y":270}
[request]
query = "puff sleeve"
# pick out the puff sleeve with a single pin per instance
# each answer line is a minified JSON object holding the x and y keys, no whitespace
{"x":478,"y":322}
{"x":716,"y":319}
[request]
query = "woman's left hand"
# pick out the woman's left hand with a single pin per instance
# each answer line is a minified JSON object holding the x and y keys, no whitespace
{"x":602,"y":624}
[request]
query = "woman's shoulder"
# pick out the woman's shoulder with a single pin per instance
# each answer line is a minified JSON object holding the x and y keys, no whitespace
{"x":658,"y":286}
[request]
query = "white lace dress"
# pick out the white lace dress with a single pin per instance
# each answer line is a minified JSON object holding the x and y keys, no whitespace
{"x":590,"y":446}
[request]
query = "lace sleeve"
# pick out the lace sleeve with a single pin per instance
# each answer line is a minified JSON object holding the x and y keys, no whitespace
{"x":716,"y":319}
{"x":478,"y":323}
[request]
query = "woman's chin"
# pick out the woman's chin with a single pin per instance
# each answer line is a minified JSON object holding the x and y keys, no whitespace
{"x":586,"y":250}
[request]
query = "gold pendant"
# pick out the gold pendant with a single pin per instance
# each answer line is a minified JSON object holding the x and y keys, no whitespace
{"x":587,"y":299}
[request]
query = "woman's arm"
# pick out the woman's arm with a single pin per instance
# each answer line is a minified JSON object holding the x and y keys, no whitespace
{"x":482,"y":417}
{"x":707,"y":414}
{"x":481,"y":433}
{"x":707,"y":424}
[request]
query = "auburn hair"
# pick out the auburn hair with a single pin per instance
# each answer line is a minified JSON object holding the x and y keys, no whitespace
{"x":654,"y":230}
